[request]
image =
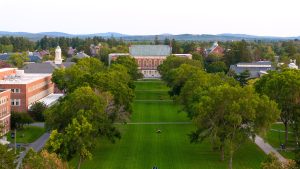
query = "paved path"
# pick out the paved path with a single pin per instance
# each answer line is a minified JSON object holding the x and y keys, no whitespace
{"x":267,"y":148}
{"x":153,"y":100}
{"x":151,"y":123}
{"x":36,"y":146}
{"x":38,"y":124}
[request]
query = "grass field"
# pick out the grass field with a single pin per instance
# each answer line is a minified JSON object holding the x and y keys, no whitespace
{"x":28,"y":134}
{"x":142,"y":148}
{"x":276,"y":136}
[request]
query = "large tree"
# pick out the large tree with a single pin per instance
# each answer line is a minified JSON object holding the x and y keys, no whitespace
{"x":284,"y":88}
{"x":131,"y":65}
{"x":80,"y":118}
{"x":173,"y":62}
{"x":230,"y":115}
{"x":18,"y":59}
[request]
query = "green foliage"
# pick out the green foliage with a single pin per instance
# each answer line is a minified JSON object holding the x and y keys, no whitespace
{"x":19,"y":119}
{"x":6,"y":158}
{"x":239,"y":52}
{"x":217,"y":66}
{"x":36,"y":111}
{"x":6,"y":48}
{"x":18,"y":59}
{"x":173,"y":62}
{"x":131,"y":65}
{"x":230,"y":115}
{"x":284,"y":88}
{"x":78,"y":75}
{"x":80,"y":118}
{"x":243,"y":77}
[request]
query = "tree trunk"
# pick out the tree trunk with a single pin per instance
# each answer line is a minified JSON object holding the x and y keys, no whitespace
{"x":79,"y":163}
{"x":230,"y":161}
{"x":286,"y":133}
{"x":222,"y":153}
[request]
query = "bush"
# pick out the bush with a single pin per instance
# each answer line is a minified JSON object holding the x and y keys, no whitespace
{"x":36,"y":111}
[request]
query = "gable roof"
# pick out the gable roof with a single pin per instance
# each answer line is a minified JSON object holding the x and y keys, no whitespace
{"x":150,"y":50}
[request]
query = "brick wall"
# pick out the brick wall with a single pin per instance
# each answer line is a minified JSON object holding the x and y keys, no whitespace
{"x":5,"y":111}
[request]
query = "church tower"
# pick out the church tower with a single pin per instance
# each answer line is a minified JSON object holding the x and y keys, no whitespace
{"x":58,"y":59}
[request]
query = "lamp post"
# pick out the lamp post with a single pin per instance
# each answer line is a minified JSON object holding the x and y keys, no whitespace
{"x":15,"y":141}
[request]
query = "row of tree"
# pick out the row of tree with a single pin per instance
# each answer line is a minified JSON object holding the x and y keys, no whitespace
{"x":96,"y":97}
{"x":223,"y":111}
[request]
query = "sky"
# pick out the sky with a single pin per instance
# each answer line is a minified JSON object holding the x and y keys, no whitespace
{"x":149,"y":17}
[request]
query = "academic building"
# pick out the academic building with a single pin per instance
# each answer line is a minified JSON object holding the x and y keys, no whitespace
{"x":148,"y":57}
{"x":4,"y":111}
{"x":25,"y":88}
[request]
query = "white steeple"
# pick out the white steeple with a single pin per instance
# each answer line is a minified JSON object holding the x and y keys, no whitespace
{"x":58,"y":59}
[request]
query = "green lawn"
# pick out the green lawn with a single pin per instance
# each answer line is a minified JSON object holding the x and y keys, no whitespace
{"x":275,"y":138}
{"x":28,"y":134}
{"x":142,"y":148}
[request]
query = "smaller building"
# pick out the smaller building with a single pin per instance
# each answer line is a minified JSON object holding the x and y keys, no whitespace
{"x":256,"y":69}
{"x":4,"y":111}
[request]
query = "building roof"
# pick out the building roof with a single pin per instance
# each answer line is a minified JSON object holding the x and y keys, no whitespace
{"x":81,"y":55}
{"x":32,"y":57}
{"x":255,"y":64}
{"x":150,"y":50}
{"x":23,"y":79}
{"x":255,"y":68}
{"x":45,"y":67}
{"x":49,"y":100}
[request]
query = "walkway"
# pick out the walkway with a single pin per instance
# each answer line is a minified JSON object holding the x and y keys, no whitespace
{"x":37,"y":145}
{"x":267,"y":148}
{"x":154,"y":123}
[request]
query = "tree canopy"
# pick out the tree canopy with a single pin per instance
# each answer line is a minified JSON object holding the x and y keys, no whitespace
{"x":284,"y":88}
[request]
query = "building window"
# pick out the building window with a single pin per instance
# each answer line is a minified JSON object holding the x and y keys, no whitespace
{"x":15,"y":102}
{"x":15,"y":90}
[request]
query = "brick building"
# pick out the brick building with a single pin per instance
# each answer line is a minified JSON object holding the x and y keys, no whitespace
{"x":25,"y":88}
{"x":4,"y":111}
{"x":148,"y":57}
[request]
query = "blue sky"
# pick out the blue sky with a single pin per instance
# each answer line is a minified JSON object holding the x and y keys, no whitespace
{"x":256,"y":17}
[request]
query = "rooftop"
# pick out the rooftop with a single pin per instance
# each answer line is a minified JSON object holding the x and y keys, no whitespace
{"x":45,"y":67}
{"x":23,"y":79}
{"x":50,"y":99}
{"x":255,"y":64}
{"x":6,"y":69}
{"x":150,"y":50}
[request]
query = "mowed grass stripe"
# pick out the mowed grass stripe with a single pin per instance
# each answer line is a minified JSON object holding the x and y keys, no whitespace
{"x":142,"y":148}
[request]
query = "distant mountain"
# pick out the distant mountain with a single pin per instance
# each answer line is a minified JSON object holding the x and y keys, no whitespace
{"x":180,"y":37}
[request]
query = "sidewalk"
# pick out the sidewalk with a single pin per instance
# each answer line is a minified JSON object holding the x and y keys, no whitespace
{"x":267,"y":148}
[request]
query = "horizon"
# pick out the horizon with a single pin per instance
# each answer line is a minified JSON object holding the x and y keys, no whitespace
{"x":134,"y":17}
{"x":162,"y":34}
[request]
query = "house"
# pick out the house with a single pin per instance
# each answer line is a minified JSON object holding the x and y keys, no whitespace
{"x":256,"y":69}
{"x":214,"y":49}
{"x":148,"y":57}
